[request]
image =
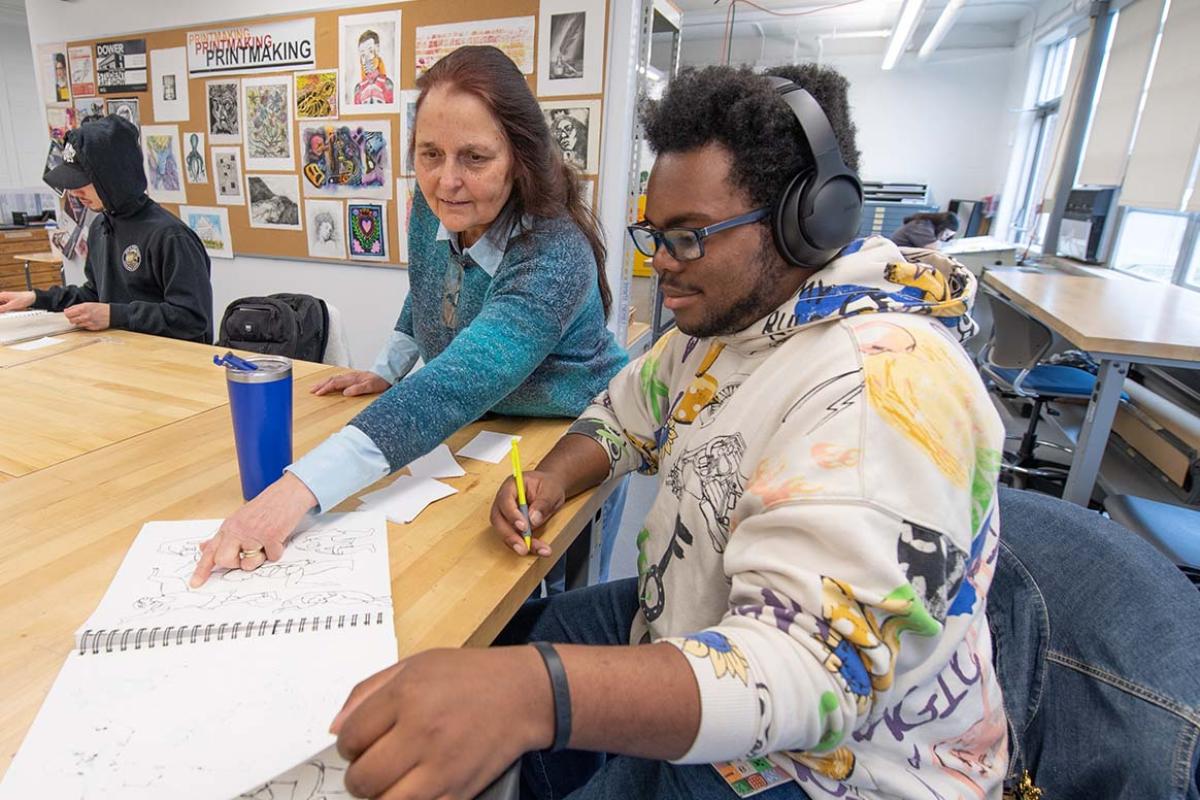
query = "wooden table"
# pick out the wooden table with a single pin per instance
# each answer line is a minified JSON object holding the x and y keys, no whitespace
{"x":95,"y":389}
{"x":1119,"y":320}
{"x":65,"y":528}
{"x":44,"y":259}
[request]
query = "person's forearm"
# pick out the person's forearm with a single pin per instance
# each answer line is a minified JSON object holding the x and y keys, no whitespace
{"x":641,"y":701}
{"x":578,"y":461}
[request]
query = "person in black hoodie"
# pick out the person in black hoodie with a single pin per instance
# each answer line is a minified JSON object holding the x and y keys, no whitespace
{"x":146,"y":271}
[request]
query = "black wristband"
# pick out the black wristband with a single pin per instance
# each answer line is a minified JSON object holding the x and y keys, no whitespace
{"x":562,"y":694}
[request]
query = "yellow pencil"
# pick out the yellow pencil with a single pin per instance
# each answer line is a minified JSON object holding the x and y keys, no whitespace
{"x":516,"y":465}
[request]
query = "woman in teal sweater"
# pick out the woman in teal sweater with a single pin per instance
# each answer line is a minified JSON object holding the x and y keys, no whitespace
{"x":507,"y":302}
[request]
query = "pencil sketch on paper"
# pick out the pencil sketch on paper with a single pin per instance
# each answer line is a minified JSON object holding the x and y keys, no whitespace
{"x":174,"y":595}
{"x":336,"y":542}
{"x":320,"y":778}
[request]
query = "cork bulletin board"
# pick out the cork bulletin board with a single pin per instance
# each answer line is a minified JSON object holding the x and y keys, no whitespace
{"x":247,"y":140}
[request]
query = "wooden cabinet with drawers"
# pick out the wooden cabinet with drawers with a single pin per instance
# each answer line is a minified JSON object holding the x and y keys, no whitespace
{"x":13,"y":274}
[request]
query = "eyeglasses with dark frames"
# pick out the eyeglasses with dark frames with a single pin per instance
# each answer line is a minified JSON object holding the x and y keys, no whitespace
{"x":686,"y":244}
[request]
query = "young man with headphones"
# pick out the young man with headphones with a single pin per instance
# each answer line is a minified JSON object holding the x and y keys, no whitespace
{"x":808,"y":618}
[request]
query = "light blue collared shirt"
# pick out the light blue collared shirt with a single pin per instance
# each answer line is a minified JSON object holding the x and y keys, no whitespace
{"x":348,"y":460}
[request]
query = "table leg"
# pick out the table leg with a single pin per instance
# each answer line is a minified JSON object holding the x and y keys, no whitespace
{"x":1093,"y":437}
{"x":28,"y":278}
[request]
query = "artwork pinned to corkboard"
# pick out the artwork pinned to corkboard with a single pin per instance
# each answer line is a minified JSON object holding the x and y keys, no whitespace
{"x":317,"y":94}
{"x":345,"y":76}
{"x":367,"y":230}
{"x":347,"y":160}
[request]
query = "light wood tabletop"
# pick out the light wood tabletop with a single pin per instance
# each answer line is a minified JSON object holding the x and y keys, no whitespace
{"x":1121,"y":316}
{"x":65,"y":529}
{"x":37,"y":258}
{"x":95,"y":389}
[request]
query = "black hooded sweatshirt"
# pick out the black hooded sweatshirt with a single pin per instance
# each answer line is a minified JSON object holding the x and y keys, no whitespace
{"x":151,"y":269}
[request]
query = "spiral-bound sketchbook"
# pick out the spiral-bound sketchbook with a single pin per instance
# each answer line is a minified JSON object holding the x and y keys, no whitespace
{"x":178,"y":692}
{"x":21,"y":326}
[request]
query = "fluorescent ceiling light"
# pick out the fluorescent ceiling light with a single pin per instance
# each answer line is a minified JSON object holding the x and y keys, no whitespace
{"x":903,"y":31}
{"x":940,"y":28}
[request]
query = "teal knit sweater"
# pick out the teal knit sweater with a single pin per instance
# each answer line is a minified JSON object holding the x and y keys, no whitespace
{"x":530,"y":341}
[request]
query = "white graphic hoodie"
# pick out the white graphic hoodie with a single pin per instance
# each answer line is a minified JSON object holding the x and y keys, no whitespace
{"x":825,"y":530}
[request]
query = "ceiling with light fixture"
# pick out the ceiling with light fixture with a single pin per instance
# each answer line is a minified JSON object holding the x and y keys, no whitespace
{"x":823,"y":28}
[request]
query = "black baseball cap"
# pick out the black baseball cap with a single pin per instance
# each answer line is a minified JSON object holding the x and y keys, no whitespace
{"x":71,"y":170}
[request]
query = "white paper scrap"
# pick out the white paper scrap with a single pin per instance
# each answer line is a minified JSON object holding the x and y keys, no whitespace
{"x":37,"y":344}
{"x":488,"y":446}
{"x":438,"y":463}
{"x":406,"y":497}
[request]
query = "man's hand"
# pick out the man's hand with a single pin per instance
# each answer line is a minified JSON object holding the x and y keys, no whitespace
{"x":16,"y":301}
{"x":409,"y":733}
{"x":89,"y":316}
{"x":259,"y":528}
{"x":352,"y":384}
{"x":545,"y":494}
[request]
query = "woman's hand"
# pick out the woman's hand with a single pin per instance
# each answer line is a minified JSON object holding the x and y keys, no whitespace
{"x":545,"y":494}
{"x":255,"y":533}
{"x":352,"y":384}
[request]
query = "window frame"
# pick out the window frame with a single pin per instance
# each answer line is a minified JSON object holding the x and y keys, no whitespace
{"x":1187,"y":245}
{"x":1055,"y":59}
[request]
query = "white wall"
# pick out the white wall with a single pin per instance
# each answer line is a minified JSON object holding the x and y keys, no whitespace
{"x":23,"y":141}
{"x":941,"y":121}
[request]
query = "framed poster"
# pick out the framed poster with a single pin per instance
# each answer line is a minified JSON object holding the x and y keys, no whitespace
{"x":369,"y":62}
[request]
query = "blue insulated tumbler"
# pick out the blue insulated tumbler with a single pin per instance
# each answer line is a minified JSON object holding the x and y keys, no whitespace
{"x":260,"y":401}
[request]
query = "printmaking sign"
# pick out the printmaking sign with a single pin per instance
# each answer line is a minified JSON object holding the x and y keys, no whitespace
{"x":271,"y":47}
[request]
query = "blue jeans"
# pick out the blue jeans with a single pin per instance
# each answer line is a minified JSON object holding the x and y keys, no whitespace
{"x":614,"y":508}
{"x":603,"y":615}
{"x":1095,"y":637}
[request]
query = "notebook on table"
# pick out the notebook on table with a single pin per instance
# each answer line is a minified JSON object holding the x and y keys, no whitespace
{"x":182,"y":693}
{"x":21,"y":326}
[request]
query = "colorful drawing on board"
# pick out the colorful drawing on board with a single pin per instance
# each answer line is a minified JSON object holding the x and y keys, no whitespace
{"x":212,"y":226}
{"x":268,"y":118}
{"x":368,"y":57}
{"x":164,"y":166}
{"x":348,"y":161}
{"x":317,"y":94}
{"x":367,"y":224}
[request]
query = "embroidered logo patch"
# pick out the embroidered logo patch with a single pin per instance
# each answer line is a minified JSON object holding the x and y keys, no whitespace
{"x":131,"y":259}
{"x":69,"y":153}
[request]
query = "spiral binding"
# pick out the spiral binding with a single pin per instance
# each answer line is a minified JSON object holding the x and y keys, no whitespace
{"x":122,"y":639}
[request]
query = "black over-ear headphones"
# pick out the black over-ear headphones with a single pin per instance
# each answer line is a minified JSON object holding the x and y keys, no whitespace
{"x":819,"y":211}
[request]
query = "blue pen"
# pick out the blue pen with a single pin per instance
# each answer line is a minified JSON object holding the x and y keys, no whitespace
{"x":229,"y":359}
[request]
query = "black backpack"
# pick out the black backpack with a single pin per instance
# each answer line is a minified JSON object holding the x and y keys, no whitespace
{"x":292,"y":325}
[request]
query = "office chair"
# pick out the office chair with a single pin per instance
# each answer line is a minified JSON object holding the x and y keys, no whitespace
{"x":1173,"y":530}
{"x":1012,"y":360}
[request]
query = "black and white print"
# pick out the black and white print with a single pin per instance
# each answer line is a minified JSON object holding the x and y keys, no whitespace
{"x":575,"y":128}
{"x":274,"y":201}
